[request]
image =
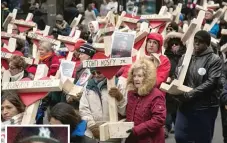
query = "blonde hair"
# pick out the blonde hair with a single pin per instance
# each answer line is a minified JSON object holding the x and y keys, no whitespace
{"x":149,"y":70}
{"x":46,"y":45}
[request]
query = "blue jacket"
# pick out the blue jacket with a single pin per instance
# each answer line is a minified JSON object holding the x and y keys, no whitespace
{"x":214,"y":30}
{"x":78,"y":136}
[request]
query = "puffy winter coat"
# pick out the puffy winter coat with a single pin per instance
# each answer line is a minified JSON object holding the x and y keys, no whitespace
{"x":52,"y":63}
{"x":146,"y":108}
{"x":204,"y":76}
{"x":164,"y":67}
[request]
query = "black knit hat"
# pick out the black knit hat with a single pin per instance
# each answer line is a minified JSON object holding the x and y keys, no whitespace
{"x":203,"y":36}
{"x":174,"y":26}
{"x":87,"y":49}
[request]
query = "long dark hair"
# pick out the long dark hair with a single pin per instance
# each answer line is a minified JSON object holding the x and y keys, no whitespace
{"x":13,"y":98}
{"x":66,"y":114}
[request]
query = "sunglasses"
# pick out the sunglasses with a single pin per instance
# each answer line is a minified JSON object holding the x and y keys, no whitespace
{"x":169,"y":29}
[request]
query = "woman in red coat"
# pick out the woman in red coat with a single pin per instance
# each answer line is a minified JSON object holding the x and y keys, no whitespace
{"x":48,"y":57}
{"x":146,"y":104}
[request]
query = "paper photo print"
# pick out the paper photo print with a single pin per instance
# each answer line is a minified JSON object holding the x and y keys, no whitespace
{"x":122,"y":44}
{"x":38,"y":134}
{"x":85,"y":76}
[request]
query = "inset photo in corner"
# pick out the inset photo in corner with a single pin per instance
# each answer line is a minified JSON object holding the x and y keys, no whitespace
{"x":37,"y":134}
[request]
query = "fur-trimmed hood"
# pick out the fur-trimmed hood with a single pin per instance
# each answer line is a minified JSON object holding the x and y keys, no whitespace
{"x":170,"y":36}
{"x":149,"y":78}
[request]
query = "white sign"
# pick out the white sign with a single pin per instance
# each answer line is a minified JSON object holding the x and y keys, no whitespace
{"x":107,"y":62}
{"x":33,"y":86}
{"x":24,"y":23}
{"x":34,"y":35}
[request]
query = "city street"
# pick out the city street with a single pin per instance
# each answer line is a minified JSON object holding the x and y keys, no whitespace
{"x":217,"y":134}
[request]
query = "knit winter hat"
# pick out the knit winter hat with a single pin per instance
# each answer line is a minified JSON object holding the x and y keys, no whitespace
{"x":59,"y":17}
{"x":87,"y":49}
{"x":203,"y":36}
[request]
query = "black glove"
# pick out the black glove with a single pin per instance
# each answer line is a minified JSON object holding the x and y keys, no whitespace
{"x":185,"y":97}
{"x":129,"y":131}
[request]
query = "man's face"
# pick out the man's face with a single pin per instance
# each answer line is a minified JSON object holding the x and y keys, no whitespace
{"x":152,"y":46}
{"x":208,"y":15}
{"x":59,"y":22}
{"x":91,"y":27}
{"x":199,"y":46}
{"x":122,"y":45}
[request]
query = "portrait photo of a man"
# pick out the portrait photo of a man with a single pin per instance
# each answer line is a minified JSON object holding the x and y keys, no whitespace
{"x":122,"y":44}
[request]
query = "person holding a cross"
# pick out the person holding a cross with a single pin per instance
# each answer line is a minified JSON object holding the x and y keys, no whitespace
{"x":199,"y":107}
{"x":145,"y":104}
{"x":208,"y":19}
{"x":48,"y":57}
{"x":94,"y":103}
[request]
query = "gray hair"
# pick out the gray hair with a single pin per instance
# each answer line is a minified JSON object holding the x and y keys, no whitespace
{"x":46,"y":45}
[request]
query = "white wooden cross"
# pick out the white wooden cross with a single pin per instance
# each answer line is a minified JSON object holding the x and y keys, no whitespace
{"x":9,"y":34}
{"x":32,"y":86}
{"x":177,"y":87}
{"x":75,"y":21}
{"x":114,"y":128}
{"x":205,"y":6}
{"x":27,"y":22}
{"x":11,"y":16}
{"x":11,"y":48}
{"x":224,"y":47}
{"x":108,"y":20}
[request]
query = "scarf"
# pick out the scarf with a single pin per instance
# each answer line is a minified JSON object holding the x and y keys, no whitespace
{"x":42,"y":58}
{"x":17,"y":77}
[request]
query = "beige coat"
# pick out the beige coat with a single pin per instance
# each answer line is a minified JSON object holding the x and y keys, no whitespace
{"x":94,"y":112}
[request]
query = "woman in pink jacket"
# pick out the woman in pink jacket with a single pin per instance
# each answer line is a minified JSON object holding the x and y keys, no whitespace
{"x":146,"y":104}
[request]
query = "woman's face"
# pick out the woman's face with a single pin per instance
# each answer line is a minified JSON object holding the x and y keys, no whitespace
{"x":138,"y":78}
{"x":152,"y":46}
{"x":42,"y":51}
{"x":8,"y":110}
{"x":54,"y":121}
{"x":13,"y":69}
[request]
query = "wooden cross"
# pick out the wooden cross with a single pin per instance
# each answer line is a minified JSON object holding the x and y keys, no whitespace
{"x":224,"y":47}
{"x":43,"y":37}
{"x":108,"y":20}
{"x":205,"y":6}
{"x":33,"y":86}
{"x":114,"y":128}
{"x":76,"y":21}
{"x":177,"y":87}
{"x":10,"y":17}
{"x":27,"y":22}
{"x":11,"y":48}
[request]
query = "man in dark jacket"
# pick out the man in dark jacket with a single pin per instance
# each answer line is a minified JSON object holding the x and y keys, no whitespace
{"x":199,"y":108}
{"x":223,"y":100}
